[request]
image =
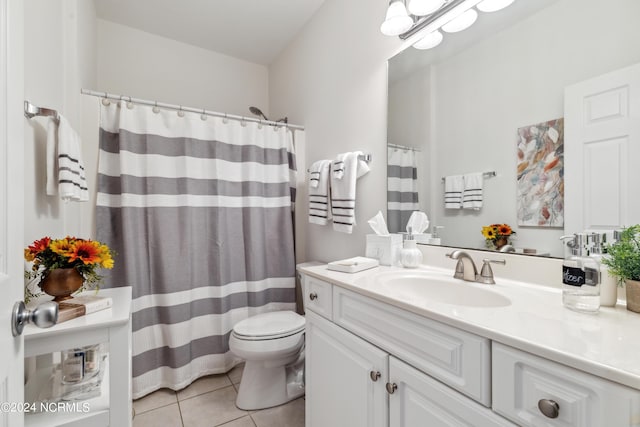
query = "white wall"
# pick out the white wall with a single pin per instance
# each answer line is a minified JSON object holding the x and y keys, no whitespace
{"x":142,"y":65}
{"x":59,"y":57}
{"x":333,"y":80}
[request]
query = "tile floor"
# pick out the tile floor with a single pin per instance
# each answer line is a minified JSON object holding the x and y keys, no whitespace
{"x":210,"y":402}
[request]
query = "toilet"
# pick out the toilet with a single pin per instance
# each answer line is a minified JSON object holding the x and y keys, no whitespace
{"x":272,"y":345}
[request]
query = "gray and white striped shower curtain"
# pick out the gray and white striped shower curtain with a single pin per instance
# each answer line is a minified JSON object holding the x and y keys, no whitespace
{"x":402,"y":187}
{"x":199,"y":213}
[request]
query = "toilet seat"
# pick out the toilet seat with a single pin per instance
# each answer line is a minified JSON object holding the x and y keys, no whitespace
{"x":269,"y":326}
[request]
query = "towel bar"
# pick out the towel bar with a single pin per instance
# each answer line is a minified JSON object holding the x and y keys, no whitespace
{"x":30,"y":111}
{"x":490,"y":174}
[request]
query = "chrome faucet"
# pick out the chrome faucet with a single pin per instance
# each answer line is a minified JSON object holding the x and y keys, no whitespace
{"x":461,"y":256}
{"x":485,"y":276}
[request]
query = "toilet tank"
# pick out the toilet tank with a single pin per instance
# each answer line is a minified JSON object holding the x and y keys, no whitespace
{"x":300,"y":290}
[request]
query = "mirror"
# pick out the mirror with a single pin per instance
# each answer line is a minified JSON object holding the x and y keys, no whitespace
{"x":459,"y":106}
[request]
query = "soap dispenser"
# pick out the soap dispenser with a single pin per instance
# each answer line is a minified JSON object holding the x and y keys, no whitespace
{"x":580,"y":276}
{"x":410,"y":255}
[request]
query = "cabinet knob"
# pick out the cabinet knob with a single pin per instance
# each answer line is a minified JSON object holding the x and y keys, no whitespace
{"x":391,"y":388}
{"x":549,"y":408}
{"x":313,"y":296}
{"x":375,"y":375}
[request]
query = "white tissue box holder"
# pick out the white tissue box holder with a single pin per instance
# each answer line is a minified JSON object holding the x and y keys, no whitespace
{"x":385,"y":249}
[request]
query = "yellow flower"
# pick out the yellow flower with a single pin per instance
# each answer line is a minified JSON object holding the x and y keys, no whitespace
{"x":61,"y":247}
{"x":28,"y":255}
{"x":489,"y":232}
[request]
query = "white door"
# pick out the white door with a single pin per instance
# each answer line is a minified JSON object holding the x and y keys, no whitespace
{"x":11,"y":207}
{"x":420,"y":400}
{"x":602,"y":152}
{"x":342,"y":385}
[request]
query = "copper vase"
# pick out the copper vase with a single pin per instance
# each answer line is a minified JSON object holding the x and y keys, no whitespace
{"x":60,"y":283}
{"x":500,"y":242}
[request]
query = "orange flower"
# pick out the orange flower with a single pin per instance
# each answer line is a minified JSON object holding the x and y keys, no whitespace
{"x":39,"y":246}
{"x":28,"y":255}
{"x":85,"y":250}
{"x":504,"y":229}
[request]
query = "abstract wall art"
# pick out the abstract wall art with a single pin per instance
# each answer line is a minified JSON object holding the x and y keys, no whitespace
{"x":540,"y":186}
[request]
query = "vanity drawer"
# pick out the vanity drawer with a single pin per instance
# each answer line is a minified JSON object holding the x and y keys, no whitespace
{"x":317,"y":296}
{"x":457,"y":358}
{"x":522,"y":382}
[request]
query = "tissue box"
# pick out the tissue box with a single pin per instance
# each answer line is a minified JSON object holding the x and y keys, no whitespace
{"x":385,"y":249}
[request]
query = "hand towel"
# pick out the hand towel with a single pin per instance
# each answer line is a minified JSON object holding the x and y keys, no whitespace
{"x":72,"y":182}
{"x":52,"y":157}
{"x":472,"y":193}
{"x":346,"y":169}
{"x":453,"y":186}
{"x":319,"y":203}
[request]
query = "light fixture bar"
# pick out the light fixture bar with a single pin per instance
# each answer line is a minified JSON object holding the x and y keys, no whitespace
{"x":440,"y":17}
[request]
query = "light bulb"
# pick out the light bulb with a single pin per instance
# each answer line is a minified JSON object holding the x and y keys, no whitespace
{"x":429,"y":41}
{"x":424,"y":7}
{"x":397,"y":20}
{"x":461,"y":22}
{"x":493,"y":5}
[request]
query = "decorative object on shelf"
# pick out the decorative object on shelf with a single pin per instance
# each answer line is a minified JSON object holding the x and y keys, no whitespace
{"x":540,"y":174}
{"x":421,"y":20}
{"x":497,"y":235}
{"x":623,"y":261}
{"x":64,"y":266}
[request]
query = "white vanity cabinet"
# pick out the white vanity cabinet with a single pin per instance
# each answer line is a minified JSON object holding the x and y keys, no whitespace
{"x":360,"y":380}
{"x":345,"y":378}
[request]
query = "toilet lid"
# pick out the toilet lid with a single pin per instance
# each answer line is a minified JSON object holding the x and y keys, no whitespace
{"x":270,"y":325}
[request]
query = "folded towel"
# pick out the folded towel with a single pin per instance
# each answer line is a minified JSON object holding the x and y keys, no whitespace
{"x":472,"y":193}
{"x":453,"y":186}
{"x":66,"y":155}
{"x":346,"y":169}
{"x":319,"y":203}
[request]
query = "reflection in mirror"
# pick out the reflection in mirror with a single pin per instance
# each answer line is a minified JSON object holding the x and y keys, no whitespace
{"x":459,"y":106}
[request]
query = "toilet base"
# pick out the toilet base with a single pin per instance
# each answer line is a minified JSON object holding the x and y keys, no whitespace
{"x":264,"y":386}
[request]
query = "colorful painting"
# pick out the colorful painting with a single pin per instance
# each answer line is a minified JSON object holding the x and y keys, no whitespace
{"x":541,"y":174}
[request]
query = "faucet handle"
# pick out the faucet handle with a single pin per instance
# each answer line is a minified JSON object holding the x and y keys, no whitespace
{"x":486,"y":274}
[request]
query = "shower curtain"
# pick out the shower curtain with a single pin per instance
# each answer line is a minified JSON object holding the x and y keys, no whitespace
{"x":199,"y":213}
{"x":402,"y":187}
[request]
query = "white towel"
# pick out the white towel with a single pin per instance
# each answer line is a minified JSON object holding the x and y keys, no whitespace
{"x":472,"y":193}
{"x":52,"y":157}
{"x":346,"y":169}
{"x":453,"y":186}
{"x":64,"y":162}
{"x":319,"y":202}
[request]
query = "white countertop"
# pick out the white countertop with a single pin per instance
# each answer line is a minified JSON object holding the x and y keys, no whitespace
{"x":606,"y":344}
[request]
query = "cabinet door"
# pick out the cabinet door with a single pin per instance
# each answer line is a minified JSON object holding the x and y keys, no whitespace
{"x":419,"y":400}
{"x":340,"y":389}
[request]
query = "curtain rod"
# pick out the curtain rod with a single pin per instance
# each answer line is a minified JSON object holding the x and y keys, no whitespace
{"x":114,"y":97}
{"x":402,"y":147}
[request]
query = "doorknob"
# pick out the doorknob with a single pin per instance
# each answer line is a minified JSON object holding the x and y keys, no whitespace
{"x":43,"y":316}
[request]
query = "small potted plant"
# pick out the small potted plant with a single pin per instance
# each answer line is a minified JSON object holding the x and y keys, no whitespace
{"x":623,"y":261}
{"x":497,"y":235}
{"x":64,"y":266}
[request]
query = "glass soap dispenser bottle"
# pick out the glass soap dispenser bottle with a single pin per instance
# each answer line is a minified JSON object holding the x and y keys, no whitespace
{"x":410,"y":255}
{"x":580,"y":276}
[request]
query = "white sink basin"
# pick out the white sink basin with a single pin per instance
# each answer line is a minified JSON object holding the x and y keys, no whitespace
{"x":425,"y":286}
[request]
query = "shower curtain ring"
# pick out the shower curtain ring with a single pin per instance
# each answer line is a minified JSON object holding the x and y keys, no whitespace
{"x":225,"y":120}
{"x":203,"y":116}
{"x":130,"y":104}
{"x":260,"y":124}
{"x":105,"y":100}
{"x":155,"y":108}
{"x":180,"y":112}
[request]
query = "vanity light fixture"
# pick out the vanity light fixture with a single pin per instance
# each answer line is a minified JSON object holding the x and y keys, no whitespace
{"x":397,"y":20}
{"x":449,"y":15}
{"x":462,"y":22}
{"x":424,"y":7}
{"x":493,"y":5}
{"x":429,"y":41}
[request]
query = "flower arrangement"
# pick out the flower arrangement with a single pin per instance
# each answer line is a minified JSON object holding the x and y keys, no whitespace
{"x":497,"y":235}
{"x":86,"y":256}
